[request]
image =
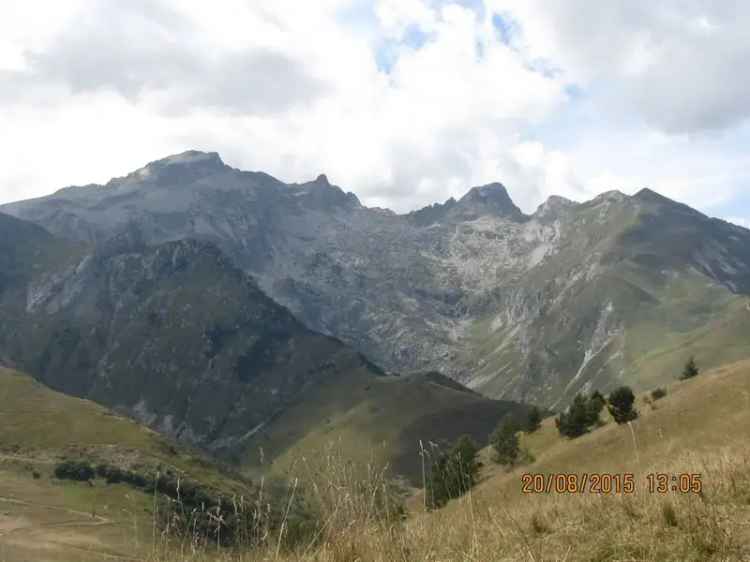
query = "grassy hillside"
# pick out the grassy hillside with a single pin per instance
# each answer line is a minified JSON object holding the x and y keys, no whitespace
{"x":377,"y":420}
{"x":698,"y":418}
{"x":701,"y":427}
{"x":43,"y":518}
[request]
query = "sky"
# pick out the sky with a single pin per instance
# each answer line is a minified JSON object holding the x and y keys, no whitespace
{"x":404,"y":102}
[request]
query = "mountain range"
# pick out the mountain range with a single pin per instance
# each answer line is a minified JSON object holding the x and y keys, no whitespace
{"x":179,"y":338}
{"x":576,"y":296}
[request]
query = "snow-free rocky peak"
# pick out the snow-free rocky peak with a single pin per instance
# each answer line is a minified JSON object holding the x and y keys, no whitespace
{"x":189,"y":165}
{"x":535,"y":307}
{"x":320,"y":194}
{"x":490,"y":199}
{"x":553,"y":206}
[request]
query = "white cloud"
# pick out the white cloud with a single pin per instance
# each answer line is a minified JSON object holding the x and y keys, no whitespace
{"x":396,"y":16}
{"x":291,"y":93}
{"x":676,"y":63}
{"x":94,"y":89}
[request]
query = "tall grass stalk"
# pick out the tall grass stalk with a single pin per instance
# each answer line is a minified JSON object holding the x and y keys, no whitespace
{"x":355,"y":520}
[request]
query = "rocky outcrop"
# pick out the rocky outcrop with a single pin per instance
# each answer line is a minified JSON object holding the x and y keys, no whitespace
{"x":505,"y":302}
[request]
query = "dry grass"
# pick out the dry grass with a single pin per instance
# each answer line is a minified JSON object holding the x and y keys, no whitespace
{"x":340,"y":511}
{"x":714,"y":525}
{"x":701,"y":427}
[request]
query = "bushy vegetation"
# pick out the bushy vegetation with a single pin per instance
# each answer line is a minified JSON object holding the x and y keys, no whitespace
{"x":189,"y":512}
{"x":690,"y":370}
{"x":335,"y":500}
{"x":505,"y":443}
{"x":451,"y":474}
{"x":78,"y":470}
{"x":620,"y":405}
{"x":658,"y":393}
{"x":183,"y":505}
{"x":581,"y":415}
{"x":534,"y":420}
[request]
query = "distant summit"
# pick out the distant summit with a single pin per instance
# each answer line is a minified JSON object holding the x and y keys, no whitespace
{"x":490,"y":199}
{"x":553,"y":206}
{"x":323,"y":195}
{"x":486,"y":200}
{"x":612,"y":196}
{"x":186,"y":166}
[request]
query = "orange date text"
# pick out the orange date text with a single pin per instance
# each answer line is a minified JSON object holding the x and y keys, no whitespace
{"x":578,"y":483}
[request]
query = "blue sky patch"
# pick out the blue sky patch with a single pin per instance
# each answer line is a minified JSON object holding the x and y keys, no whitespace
{"x":503,"y":27}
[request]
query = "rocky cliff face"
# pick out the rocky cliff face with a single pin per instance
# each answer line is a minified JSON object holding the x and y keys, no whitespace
{"x":174,"y":335}
{"x":177,"y":336}
{"x":523,"y":306}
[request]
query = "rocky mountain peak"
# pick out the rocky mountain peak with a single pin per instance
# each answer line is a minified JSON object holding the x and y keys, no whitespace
{"x":186,"y":166}
{"x":490,"y":192}
{"x":612,"y":196}
{"x":191,"y":157}
{"x":553,"y":206}
{"x":669,"y":208}
{"x":651,"y":196}
{"x":323,"y":195}
{"x":490,"y":199}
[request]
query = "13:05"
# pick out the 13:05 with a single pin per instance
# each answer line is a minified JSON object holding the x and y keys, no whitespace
{"x":684,"y":483}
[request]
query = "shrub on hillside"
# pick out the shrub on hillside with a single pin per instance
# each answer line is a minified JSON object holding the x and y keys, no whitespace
{"x":504,"y":441}
{"x":581,"y":415}
{"x":658,"y":393}
{"x":80,"y":471}
{"x":451,"y":474}
{"x":690,"y":370}
{"x":185,"y":505}
{"x":534,"y":420}
{"x":595,"y":405}
{"x":620,"y":405}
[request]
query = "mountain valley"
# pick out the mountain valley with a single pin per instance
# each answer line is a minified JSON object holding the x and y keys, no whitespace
{"x":177,"y":337}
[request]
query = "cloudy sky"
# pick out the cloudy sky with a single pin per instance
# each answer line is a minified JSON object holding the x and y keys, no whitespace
{"x":404,"y":102}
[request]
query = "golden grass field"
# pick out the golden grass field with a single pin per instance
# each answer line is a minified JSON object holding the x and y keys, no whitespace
{"x":701,"y":427}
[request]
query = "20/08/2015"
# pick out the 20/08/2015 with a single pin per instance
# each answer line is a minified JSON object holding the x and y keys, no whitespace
{"x":608,"y":483}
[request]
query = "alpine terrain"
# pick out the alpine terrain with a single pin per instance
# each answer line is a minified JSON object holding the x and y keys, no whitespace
{"x":574,"y":297}
{"x":177,"y":337}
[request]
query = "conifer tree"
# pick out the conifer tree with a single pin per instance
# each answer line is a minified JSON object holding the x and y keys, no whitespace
{"x":690,"y":370}
{"x":452,"y":474}
{"x":534,"y":420}
{"x":620,"y":405}
{"x":504,"y":441}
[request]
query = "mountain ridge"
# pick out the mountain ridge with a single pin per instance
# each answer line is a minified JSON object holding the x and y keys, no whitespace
{"x":495,"y":192}
{"x":533,"y":307}
{"x":179,"y":338}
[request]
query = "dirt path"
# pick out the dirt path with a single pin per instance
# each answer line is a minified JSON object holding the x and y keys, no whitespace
{"x":97,"y":519}
{"x":20,"y":458}
{"x":88,"y":522}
